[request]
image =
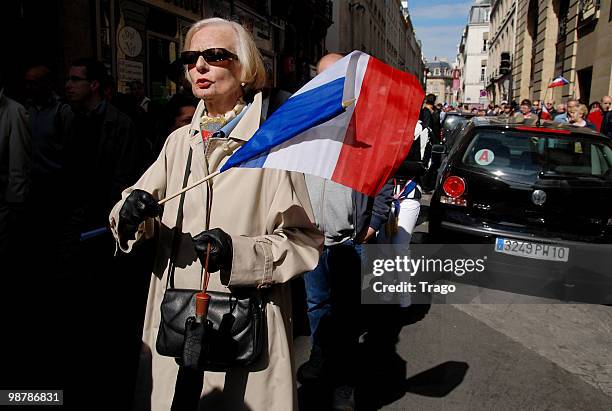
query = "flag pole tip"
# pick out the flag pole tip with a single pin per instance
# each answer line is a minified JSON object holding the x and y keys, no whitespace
{"x":348,"y":103}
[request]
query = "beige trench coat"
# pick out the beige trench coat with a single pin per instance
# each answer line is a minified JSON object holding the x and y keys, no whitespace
{"x":269,"y":217}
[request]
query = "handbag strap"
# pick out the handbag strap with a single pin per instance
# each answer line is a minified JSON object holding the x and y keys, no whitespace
{"x":179,"y":224}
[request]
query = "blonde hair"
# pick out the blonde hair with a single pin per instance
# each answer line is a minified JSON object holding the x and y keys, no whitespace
{"x":582,"y":109}
{"x":253,"y":72}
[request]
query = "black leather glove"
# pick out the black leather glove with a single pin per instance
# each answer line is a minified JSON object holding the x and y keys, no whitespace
{"x":221,"y":249}
{"x":138,"y":206}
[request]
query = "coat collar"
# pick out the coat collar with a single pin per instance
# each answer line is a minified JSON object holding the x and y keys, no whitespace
{"x":244,"y":130}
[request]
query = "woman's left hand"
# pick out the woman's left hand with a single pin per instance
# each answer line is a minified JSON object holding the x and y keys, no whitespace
{"x":221,"y":250}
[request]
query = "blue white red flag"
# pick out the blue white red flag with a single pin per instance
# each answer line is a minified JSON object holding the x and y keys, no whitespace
{"x":558,"y":82}
{"x":352,"y":124}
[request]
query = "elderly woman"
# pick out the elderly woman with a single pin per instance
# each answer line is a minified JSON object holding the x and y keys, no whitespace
{"x":578,"y":117}
{"x":258,"y":222}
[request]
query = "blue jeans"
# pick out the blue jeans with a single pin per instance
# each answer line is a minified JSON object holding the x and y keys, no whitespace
{"x":333,"y":299}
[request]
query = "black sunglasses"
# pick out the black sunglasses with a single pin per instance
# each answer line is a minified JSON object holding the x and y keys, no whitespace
{"x":214,"y":55}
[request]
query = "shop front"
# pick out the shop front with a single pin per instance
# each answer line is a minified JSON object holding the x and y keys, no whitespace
{"x":140,"y":41}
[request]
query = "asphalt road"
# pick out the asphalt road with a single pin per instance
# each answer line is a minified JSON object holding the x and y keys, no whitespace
{"x":452,"y":360}
{"x":531,"y":355}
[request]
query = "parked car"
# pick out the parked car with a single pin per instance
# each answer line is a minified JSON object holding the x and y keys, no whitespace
{"x":541,"y":195}
{"x":452,"y":125}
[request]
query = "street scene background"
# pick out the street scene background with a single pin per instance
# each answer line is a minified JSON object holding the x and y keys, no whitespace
{"x":494,"y":59}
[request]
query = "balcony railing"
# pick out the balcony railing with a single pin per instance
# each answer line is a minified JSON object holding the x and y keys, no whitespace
{"x":588,"y":11}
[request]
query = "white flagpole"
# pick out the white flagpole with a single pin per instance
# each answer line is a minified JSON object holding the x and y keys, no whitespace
{"x":197,"y":183}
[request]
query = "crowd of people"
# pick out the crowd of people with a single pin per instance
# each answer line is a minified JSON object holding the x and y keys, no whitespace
{"x":66,"y":156}
{"x":596,"y":116}
{"x":72,"y":156}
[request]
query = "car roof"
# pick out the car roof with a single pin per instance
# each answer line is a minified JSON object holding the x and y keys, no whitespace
{"x":460,"y":114}
{"x":543,"y":126}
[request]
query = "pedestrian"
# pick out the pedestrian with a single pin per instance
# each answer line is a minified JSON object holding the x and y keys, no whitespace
{"x":595,"y":115}
{"x":559,"y":111}
{"x":348,"y":219}
{"x":50,"y":123}
{"x":550,"y":106}
{"x":406,"y":201}
{"x":102,"y":151}
{"x":101,"y":157}
{"x":177,"y":112}
{"x":515,"y":106}
{"x":606,"y":124}
{"x":525,"y":110}
{"x":507,"y":112}
{"x":258,"y":222}
{"x":578,"y":116}
{"x":564,"y":117}
{"x":606,"y":104}
{"x":137,"y":90}
{"x":430,"y":119}
{"x":15,"y":166}
{"x":537,"y":107}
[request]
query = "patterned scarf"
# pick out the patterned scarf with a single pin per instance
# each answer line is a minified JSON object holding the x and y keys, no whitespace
{"x":211,"y":124}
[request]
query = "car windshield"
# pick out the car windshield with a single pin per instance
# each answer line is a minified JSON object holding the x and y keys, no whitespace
{"x":521,"y":156}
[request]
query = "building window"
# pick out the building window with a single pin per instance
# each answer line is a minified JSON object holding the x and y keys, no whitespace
{"x":436,"y":72}
{"x":484,"y":45}
{"x":483,"y":72}
{"x":563,"y":19}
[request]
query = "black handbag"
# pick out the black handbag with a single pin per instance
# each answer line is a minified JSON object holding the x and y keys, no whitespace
{"x":234,"y":328}
{"x":234,"y":331}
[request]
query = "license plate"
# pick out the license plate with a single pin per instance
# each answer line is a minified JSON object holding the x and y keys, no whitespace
{"x":527,"y":249}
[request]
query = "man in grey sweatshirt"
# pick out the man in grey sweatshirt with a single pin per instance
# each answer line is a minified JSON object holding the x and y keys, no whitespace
{"x":348,"y":219}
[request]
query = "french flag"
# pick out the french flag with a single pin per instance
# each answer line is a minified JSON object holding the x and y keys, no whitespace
{"x":352,"y":124}
{"x":558,"y":82}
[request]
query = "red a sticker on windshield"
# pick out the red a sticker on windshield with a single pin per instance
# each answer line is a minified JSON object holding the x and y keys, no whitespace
{"x":484,"y":157}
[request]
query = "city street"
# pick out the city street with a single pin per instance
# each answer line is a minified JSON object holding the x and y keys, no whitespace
{"x":307,"y":205}
{"x":531,"y":356}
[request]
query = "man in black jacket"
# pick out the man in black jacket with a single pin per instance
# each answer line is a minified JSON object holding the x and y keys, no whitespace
{"x":430,"y":118}
{"x":102,"y":159}
{"x":606,"y":125}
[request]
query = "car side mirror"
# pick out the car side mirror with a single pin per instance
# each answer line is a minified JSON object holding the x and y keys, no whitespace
{"x":438,"y":149}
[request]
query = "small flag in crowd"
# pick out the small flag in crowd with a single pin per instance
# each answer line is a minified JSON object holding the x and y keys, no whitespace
{"x":558,"y":82}
{"x":353,"y":124}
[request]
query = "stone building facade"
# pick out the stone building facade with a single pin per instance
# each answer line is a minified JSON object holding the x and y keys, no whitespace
{"x":569,"y":38}
{"x":378,"y":28}
{"x":501,"y":47}
{"x":440,"y":80}
{"x":473,"y":51}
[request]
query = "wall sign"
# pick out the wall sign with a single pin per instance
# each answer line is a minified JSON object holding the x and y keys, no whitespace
{"x":130,"y":41}
{"x":130,"y":70}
